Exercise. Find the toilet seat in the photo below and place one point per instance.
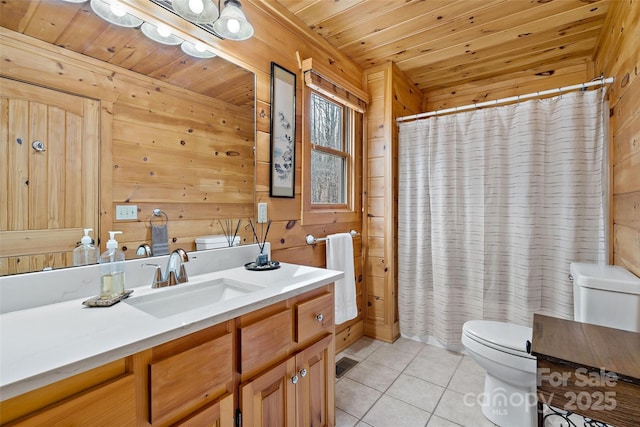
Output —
(504, 337)
(500, 348)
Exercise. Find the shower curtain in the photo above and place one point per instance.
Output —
(493, 206)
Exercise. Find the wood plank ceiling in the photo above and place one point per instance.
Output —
(74, 26)
(442, 44)
(438, 44)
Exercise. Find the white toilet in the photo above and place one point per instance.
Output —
(602, 294)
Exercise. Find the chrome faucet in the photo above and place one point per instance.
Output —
(175, 272)
(144, 250)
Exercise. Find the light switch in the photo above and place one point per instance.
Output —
(124, 212)
(262, 213)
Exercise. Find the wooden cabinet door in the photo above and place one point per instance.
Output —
(315, 390)
(218, 414)
(49, 144)
(265, 341)
(269, 400)
(189, 379)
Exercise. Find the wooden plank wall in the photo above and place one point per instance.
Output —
(279, 38)
(377, 154)
(391, 95)
(142, 116)
(188, 156)
(507, 86)
(276, 27)
(160, 147)
(618, 55)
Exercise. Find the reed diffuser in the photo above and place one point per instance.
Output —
(228, 229)
(262, 259)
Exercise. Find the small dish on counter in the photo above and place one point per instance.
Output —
(271, 265)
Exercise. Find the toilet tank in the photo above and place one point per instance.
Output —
(606, 295)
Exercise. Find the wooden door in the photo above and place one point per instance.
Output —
(49, 142)
(315, 366)
(269, 400)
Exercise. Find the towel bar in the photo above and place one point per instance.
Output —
(313, 240)
(159, 213)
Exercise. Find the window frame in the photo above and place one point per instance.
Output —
(345, 153)
(353, 127)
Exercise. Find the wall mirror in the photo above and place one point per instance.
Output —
(153, 125)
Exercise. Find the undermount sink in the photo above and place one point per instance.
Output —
(183, 298)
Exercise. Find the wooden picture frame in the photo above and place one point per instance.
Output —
(283, 132)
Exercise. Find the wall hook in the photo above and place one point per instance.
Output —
(38, 145)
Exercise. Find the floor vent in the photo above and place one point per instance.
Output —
(343, 365)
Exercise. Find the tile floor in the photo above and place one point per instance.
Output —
(411, 384)
(408, 384)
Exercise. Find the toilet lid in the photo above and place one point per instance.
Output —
(507, 336)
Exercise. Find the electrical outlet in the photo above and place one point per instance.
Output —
(126, 212)
(262, 213)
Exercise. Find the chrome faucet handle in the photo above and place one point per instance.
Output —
(158, 282)
(172, 280)
(183, 278)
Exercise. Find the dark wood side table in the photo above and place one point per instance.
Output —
(587, 369)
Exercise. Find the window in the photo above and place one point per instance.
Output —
(329, 151)
(332, 171)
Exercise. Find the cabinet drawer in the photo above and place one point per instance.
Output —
(189, 379)
(113, 403)
(266, 341)
(314, 316)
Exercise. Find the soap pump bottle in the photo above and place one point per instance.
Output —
(112, 269)
(85, 253)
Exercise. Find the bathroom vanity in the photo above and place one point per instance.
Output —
(263, 351)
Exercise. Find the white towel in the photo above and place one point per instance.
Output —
(340, 257)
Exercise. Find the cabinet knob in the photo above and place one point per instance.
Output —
(303, 372)
(319, 317)
(294, 379)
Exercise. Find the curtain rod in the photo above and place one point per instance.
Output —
(599, 81)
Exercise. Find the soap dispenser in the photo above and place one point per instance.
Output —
(112, 269)
(85, 253)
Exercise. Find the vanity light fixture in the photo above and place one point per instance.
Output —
(198, 50)
(160, 33)
(113, 12)
(196, 11)
(232, 23)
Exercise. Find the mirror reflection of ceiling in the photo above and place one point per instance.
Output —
(74, 26)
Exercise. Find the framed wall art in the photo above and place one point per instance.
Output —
(283, 132)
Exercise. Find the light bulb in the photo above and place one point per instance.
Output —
(196, 6)
(117, 9)
(163, 30)
(233, 25)
(200, 47)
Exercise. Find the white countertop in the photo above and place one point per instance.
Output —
(45, 344)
